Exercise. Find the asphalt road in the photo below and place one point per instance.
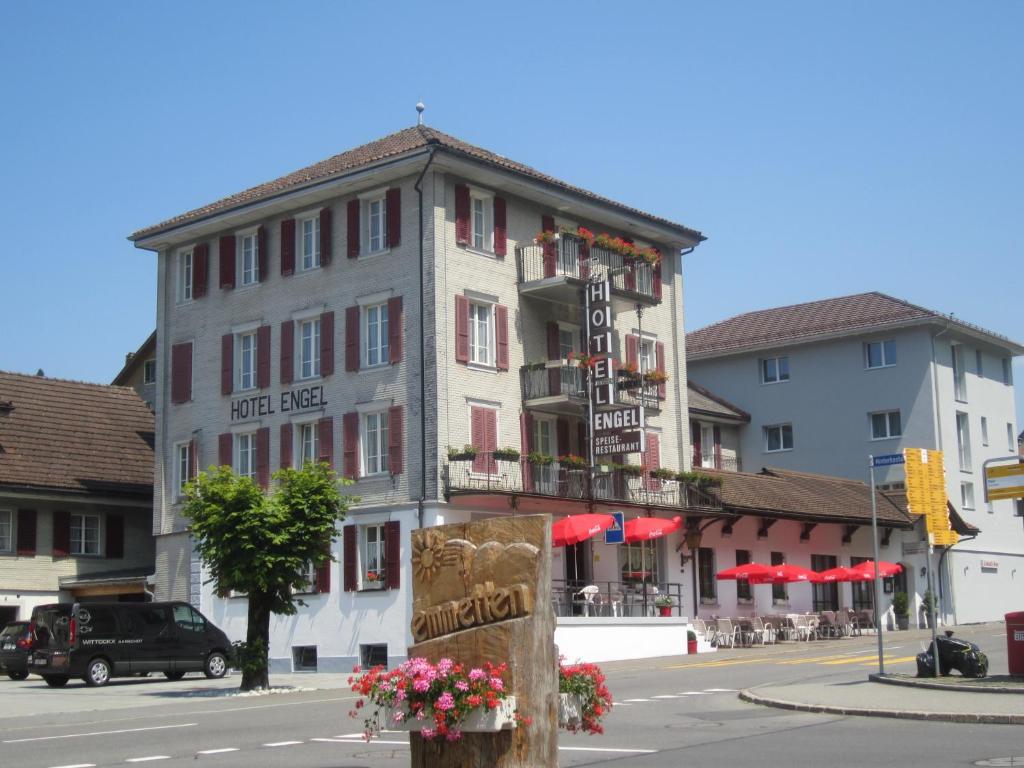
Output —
(669, 712)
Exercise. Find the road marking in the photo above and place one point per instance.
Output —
(721, 690)
(898, 660)
(632, 701)
(620, 704)
(217, 751)
(99, 733)
(667, 696)
(851, 660)
(608, 749)
(691, 693)
(282, 743)
(353, 735)
(364, 742)
(147, 759)
(77, 765)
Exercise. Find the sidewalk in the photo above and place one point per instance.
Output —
(958, 701)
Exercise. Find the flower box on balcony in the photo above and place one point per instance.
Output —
(480, 720)
(506, 454)
(468, 453)
(570, 710)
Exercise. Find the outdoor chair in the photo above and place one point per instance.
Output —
(843, 626)
(802, 626)
(591, 595)
(726, 633)
(827, 625)
(701, 629)
(758, 631)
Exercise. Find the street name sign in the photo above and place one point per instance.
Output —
(1005, 481)
(888, 460)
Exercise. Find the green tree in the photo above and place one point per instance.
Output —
(262, 544)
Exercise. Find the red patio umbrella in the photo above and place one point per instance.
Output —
(884, 568)
(786, 574)
(742, 572)
(577, 528)
(842, 573)
(647, 528)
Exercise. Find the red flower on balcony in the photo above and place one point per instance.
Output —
(571, 461)
(541, 238)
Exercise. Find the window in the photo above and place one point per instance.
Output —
(247, 360)
(638, 562)
(645, 353)
(481, 333)
(375, 443)
(885, 425)
(309, 443)
(183, 466)
(376, 223)
(963, 441)
(542, 432)
(184, 276)
(979, 365)
(707, 446)
(779, 591)
(1011, 444)
(984, 431)
(372, 555)
(566, 343)
(959, 375)
(376, 343)
(967, 495)
(707, 584)
(308, 576)
(188, 620)
(245, 455)
(825, 597)
(309, 247)
(85, 535)
(545, 477)
(250, 259)
(778, 437)
(149, 372)
(1007, 371)
(6, 530)
(774, 370)
(309, 348)
(481, 221)
(743, 585)
(863, 591)
(880, 354)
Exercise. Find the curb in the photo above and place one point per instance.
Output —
(977, 718)
(926, 683)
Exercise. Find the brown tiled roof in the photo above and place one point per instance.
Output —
(800, 322)
(806, 497)
(407, 140)
(71, 436)
(961, 526)
(703, 401)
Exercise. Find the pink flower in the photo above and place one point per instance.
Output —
(399, 715)
(461, 685)
(497, 684)
(444, 666)
(428, 733)
(445, 702)
(454, 734)
(476, 674)
(421, 685)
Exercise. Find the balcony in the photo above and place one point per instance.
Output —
(648, 395)
(555, 385)
(557, 271)
(606, 487)
(727, 463)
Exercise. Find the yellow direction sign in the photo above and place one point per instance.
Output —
(926, 494)
(1005, 482)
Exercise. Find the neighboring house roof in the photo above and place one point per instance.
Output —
(806, 497)
(961, 526)
(841, 316)
(74, 437)
(404, 141)
(703, 401)
(135, 359)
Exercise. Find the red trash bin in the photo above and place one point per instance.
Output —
(1015, 642)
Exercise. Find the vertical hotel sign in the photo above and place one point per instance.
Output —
(599, 339)
(926, 494)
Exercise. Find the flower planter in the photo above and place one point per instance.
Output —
(664, 610)
(691, 646)
(570, 710)
(481, 720)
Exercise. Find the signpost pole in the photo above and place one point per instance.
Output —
(878, 579)
(931, 611)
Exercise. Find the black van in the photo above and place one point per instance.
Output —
(98, 641)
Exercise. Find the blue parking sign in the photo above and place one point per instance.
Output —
(617, 533)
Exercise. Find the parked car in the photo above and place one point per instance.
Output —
(98, 641)
(16, 642)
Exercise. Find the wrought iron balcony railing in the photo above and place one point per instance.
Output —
(727, 463)
(551, 379)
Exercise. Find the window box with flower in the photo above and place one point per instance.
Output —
(467, 453)
(506, 454)
(572, 462)
(583, 698)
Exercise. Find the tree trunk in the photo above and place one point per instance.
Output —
(255, 674)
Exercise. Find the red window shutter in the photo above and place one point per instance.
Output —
(263, 457)
(562, 435)
(225, 450)
(351, 339)
(491, 438)
(200, 270)
(227, 261)
(393, 201)
(227, 363)
(396, 440)
(395, 325)
(287, 351)
(350, 434)
(657, 281)
(698, 457)
(288, 247)
(115, 537)
(325, 436)
(325, 236)
(547, 224)
(717, 431)
(323, 575)
(526, 445)
(349, 559)
(501, 335)
(461, 329)
(61, 533)
(181, 372)
(584, 259)
(629, 276)
(327, 343)
(353, 229)
(392, 554)
(652, 459)
(554, 353)
(659, 352)
(26, 545)
(500, 227)
(632, 349)
(286, 445)
(263, 357)
(193, 456)
(461, 214)
(478, 436)
(262, 256)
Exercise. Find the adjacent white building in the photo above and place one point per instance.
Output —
(830, 382)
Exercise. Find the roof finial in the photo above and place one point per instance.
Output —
(420, 106)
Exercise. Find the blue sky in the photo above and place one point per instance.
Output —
(824, 148)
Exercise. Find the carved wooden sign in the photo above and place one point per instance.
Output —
(482, 592)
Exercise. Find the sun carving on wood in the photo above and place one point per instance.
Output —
(427, 557)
